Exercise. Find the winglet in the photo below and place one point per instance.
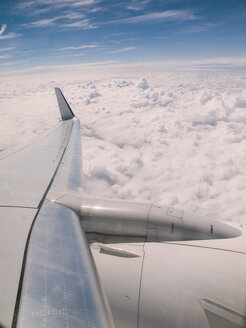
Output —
(65, 110)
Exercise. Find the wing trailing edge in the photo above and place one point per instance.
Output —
(65, 110)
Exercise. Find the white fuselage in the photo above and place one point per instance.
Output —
(197, 284)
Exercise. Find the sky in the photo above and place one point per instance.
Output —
(38, 34)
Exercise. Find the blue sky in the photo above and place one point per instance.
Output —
(62, 32)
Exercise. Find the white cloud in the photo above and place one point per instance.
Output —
(121, 50)
(61, 68)
(4, 56)
(51, 4)
(10, 36)
(44, 22)
(80, 47)
(74, 15)
(68, 55)
(198, 28)
(3, 28)
(176, 15)
(8, 63)
(165, 144)
(7, 49)
(84, 3)
(113, 67)
(25, 4)
(84, 24)
(96, 9)
(137, 5)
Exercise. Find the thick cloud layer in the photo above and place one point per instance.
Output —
(175, 139)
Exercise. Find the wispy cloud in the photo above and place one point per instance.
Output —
(51, 4)
(64, 21)
(74, 15)
(84, 24)
(121, 50)
(80, 47)
(96, 9)
(43, 22)
(3, 28)
(137, 5)
(85, 3)
(168, 15)
(69, 55)
(162, 66)
(4, 56)
(8, 63)
(26, 4)
(198, 28)
(59, 68)
(7, 49)
(10, 36)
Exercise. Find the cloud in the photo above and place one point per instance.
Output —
(84, 24)
(96, 9)
(43, 22)
(81, 24)
(4, 56)
(198, 28)
(26, 4)
(69, 55)
(3, 28)
(74, 15)
(94, 70)
(59, 68)
(84, 3)
(121, 50)
(51, 4)
(7, 49)
(175, 15)
(8, 63)
(80, 47)
(10, 36)
(137, 5)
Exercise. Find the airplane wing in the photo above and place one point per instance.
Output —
(47, 277)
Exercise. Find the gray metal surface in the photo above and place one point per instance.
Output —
(219, 315)
(65, 110)
(171, 224)
(69, 176)
(60, 286)
(132, 219)
(26, 174)
(14, 228)
(176, 277)
(121, 278)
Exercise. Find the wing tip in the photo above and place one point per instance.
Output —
(65, 110)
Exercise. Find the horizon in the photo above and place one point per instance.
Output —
(52, 36)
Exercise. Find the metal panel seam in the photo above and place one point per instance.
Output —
(141, 275)
(207, 247)
(140, 285)
(13, 206)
